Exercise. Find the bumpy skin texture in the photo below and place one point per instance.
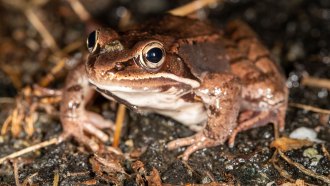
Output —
(76, 121)
(263, 95)
(227, 78)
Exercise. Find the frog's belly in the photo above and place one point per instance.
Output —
(192, 114)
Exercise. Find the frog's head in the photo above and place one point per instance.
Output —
(135, 61)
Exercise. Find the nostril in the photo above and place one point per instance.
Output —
(119, 66)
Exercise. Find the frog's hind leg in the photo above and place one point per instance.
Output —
(259, 119)
(222, 100)
(264, 91)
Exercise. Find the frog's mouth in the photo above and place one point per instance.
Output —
(112, 96)
(145, 97)
(143, 82)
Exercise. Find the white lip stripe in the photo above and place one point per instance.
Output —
(114, 88)
(192, 83)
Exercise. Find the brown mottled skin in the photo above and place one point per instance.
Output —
(238, 83)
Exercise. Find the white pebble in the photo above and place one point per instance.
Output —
(305, 133)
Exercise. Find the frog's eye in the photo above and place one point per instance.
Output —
(92, 41)
(153, 55)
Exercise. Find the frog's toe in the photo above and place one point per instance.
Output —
(79, 135)
(90, 143)
(98, 121)
(199, 145)
(84, 129)
(194, 143)
(182, 142)
(91, 129)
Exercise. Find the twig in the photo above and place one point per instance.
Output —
(125, 19)
(325, 152)
(16, 173)
(192, 7)
(303, 169)
(40, 27)
(119, 124)
(282, 172)
(13, 74)
(29, 149)
(285, 144)
(60, 63)
(310, 108)
(50, 76)
(75, 174)
(17, 117)
(80, 10)
(56, 178)
(70, 48)
(5, 125)
(7, 100)
(28, 8)
(316, 82)
(28, 180)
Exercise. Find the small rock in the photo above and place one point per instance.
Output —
(305, 133)
(312, 154)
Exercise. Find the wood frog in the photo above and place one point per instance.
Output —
(217, 82)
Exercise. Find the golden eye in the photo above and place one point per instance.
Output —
(153, 55)
(92, 41)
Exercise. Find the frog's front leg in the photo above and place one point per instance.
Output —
(76, 121)
(221, 95)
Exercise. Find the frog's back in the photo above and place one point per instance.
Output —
(198, 43)
(262, 80)
(179, 27)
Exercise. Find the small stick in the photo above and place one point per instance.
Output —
(40, 27)
(5, 100)
(316, 82)
(303, 169)
(119, 124)
(16, 173)
(13, 74)
(282, 172)
(50, 76)
(5, 125)
(325, 151)
(75, 174)
(80, 10)
(28, 180)
(191, 7)
(56, 178)
(29, 149)
(60, 64)
(310, 108)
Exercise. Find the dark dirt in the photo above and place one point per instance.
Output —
(297, 32)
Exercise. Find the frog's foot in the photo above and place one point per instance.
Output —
(261, 119)
(84, 128)
(194, 143)
(243, 116)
